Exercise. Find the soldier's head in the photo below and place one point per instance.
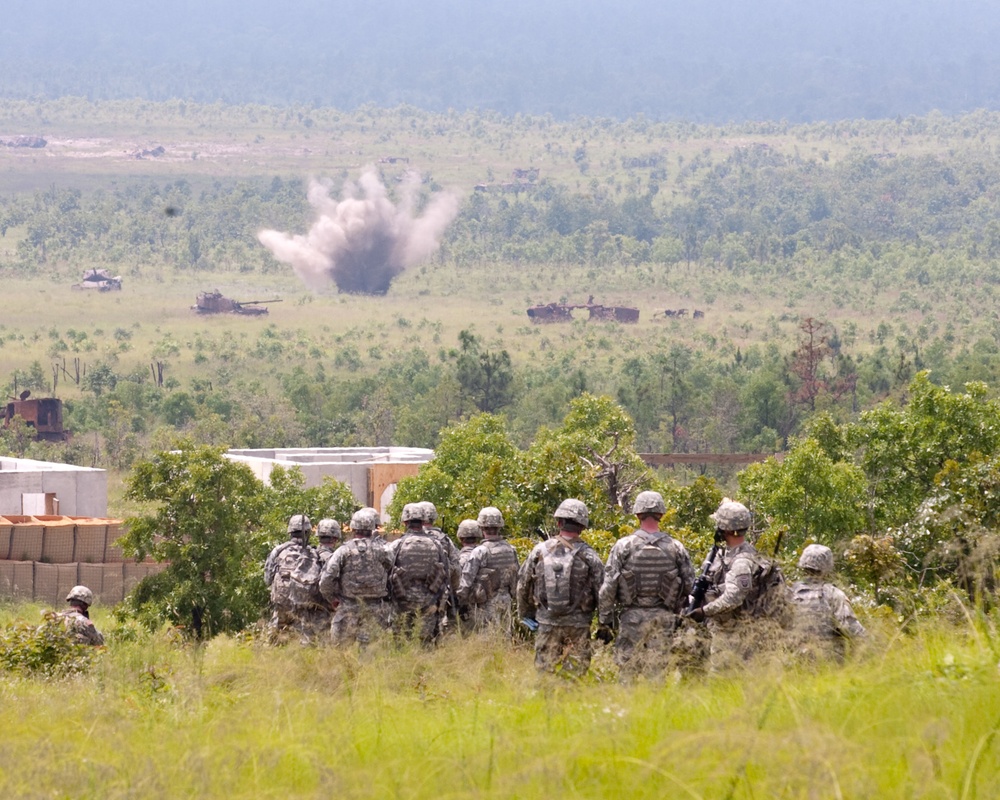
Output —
(299, 527)
(364, 522)
(572, 517)
(732, 521)
(816, 559)
(468, 533)
(80, 597)
(413, 517)
(430, 513)
(490, 522)
(328, 531)
(649, 505)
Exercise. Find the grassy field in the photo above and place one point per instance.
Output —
(915, 716)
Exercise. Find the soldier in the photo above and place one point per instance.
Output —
(418, 578)
(356, 581)
(646, 585)
(824, 619)
(469, 536)
(734, 578)
(76, 618)
(489, 577)
(292, 571)
(329, 534)
(454, 566)
(557, 591)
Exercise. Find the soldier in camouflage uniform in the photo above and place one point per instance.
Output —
(329, 534)
(489, 577)
(356, 581)
(469, 536)
(557, 591)
(419, 570)
(736, 635)
(824, 620)
(310, 618)
(76, 618)
(646, 585)
(454, 565)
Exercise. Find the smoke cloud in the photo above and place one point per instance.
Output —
(363, 241)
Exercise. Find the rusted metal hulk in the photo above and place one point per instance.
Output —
(44, 414)
(561, 312)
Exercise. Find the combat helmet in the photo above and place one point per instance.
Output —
(469, 529)
(649, 503)
(412, 512)
(81, 594)
(574, 511)
(490, 517)
(817, 558)
(363, 520)
(731, 516)
(430, 511)
(299, 523)
(328, 528)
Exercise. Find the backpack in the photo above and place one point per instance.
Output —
(419, 568)
(554, 590)
(652, 575)
(296, 581)
(768, 596)
(362, 575)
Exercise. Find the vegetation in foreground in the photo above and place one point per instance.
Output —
(912, 716)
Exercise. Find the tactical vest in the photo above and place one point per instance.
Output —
(813, 612)
(418, 569)
(363, 575)
(651, 575)
(498, 571)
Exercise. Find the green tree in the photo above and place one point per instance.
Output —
(212, 523)
(206, 526)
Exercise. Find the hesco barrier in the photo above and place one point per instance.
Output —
(43, 557)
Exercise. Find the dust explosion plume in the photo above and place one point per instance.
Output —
(362, 241)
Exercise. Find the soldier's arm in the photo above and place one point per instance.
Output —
(847, 623)
(469, 574)
(609, 587)
(525, 587)
(329, 582)
(739, 579)
(596, 574)
(685, 570)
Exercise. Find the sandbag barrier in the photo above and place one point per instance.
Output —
(43, 557)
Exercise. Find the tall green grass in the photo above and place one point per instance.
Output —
(914, 715)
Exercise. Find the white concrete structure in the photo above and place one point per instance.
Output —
(80, 491)
(370, 472)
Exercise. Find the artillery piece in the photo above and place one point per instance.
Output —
(215, 303)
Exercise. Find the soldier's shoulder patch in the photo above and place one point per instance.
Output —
(743, 581)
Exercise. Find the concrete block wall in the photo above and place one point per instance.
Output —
(81, 491)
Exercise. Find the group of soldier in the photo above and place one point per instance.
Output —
(420, 587)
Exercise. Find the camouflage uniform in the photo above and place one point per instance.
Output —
(79, 624)
(356, 579)
(488, 586)
(419, 571)
(310, 620)
(562, 643)
(648, 593)
(464, 554)
(824, 619)
(735, 634)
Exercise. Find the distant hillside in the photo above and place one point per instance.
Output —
(714, 62)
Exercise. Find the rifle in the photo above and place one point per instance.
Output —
(701, 583)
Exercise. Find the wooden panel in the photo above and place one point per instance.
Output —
(382, 476)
